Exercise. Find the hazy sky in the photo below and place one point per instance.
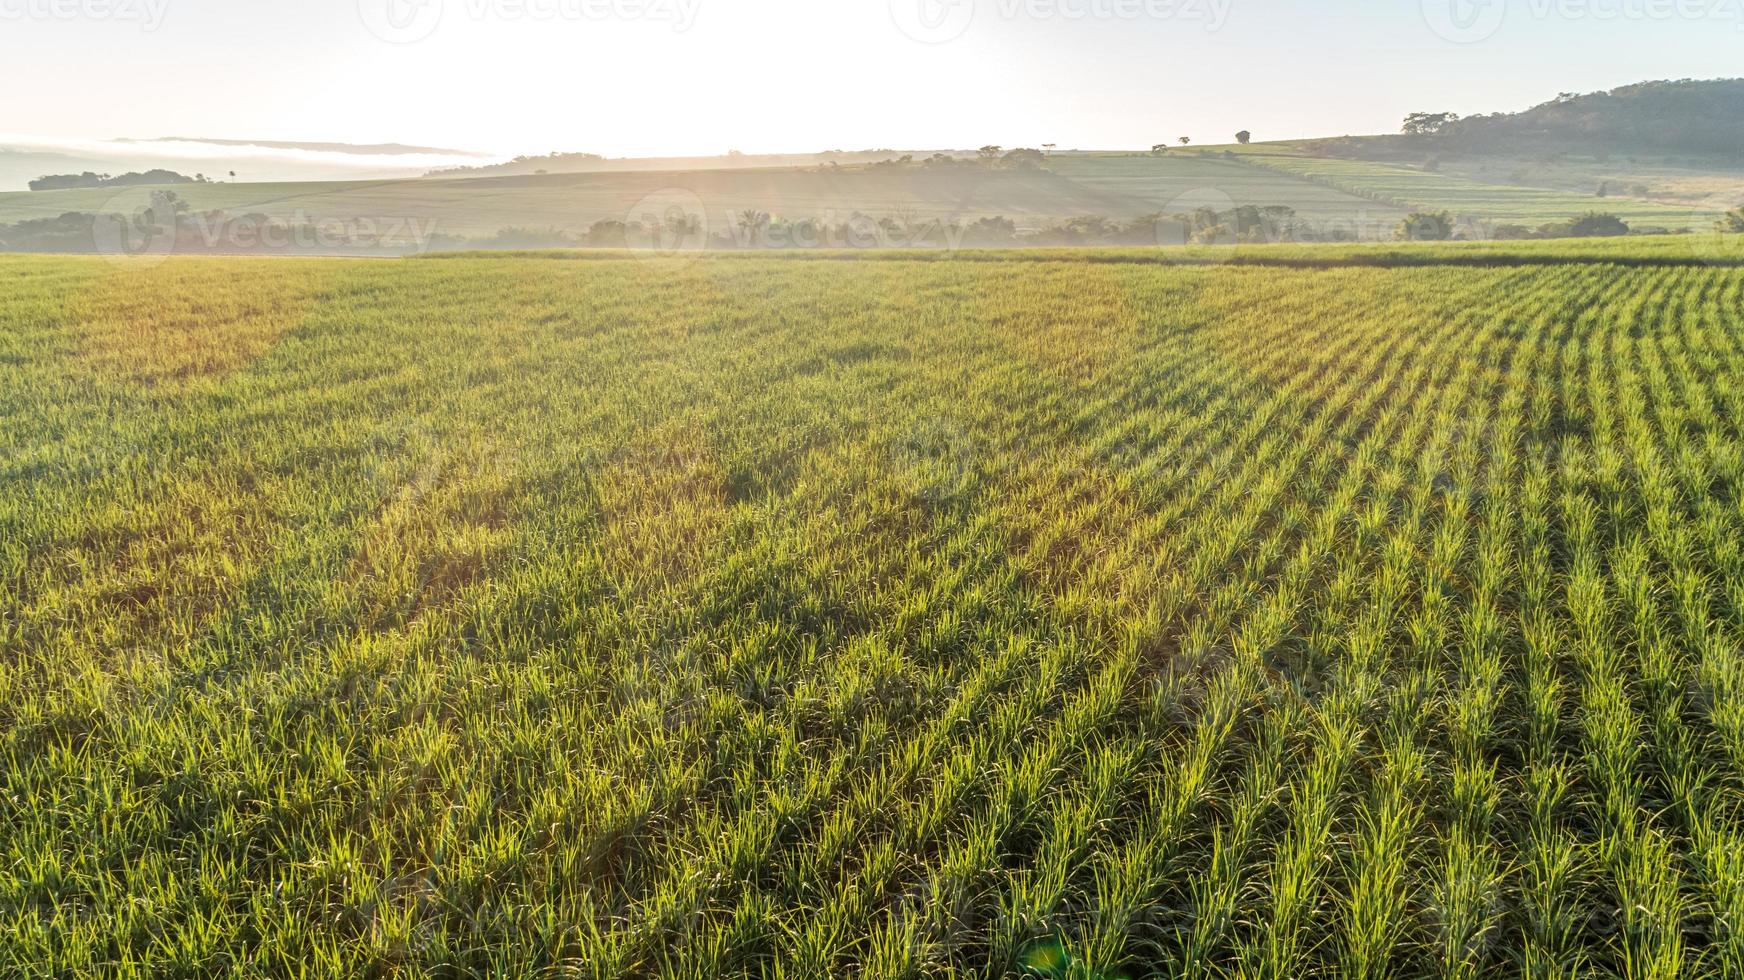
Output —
(641, 77)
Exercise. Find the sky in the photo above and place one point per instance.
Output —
(680, 77)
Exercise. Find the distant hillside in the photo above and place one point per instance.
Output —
(579, 163)
(26, 158)
(574, 202)
(1665, 118)
(1704, 117)
(554, 162)
(363, 149)
(159, 177)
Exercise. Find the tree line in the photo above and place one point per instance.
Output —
(88, 179)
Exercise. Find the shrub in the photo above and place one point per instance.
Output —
(1425, 226)
(1594, 224)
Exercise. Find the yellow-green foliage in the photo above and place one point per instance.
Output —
(612, 618)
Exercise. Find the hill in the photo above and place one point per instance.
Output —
(1326, 198)
(1687, 118)
(23, 159)
(580, 163)
(1691, 117)
(575, 201)
(1644, 153)
(364, 149)
(1119, 187)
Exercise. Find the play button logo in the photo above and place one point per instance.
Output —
(932, 21)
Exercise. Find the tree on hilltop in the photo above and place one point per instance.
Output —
(1428, 123)
(1425, 226)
